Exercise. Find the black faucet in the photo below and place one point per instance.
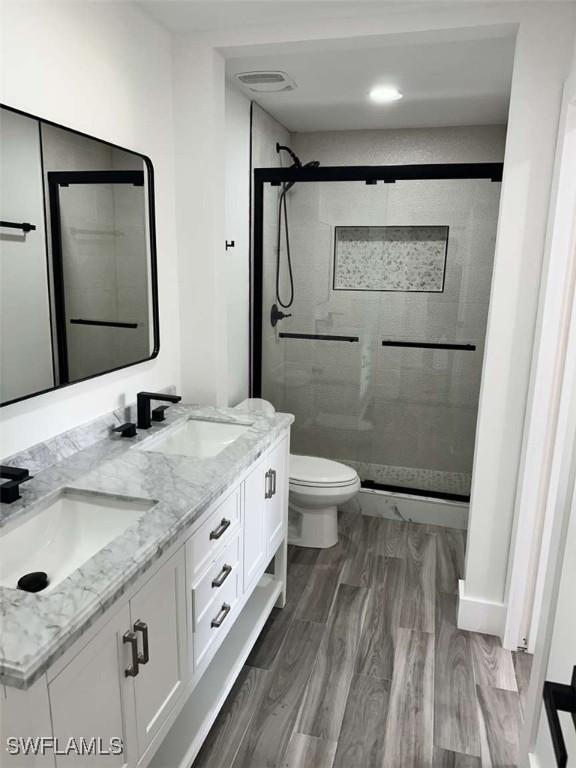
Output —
(10, 491)
(143, 406)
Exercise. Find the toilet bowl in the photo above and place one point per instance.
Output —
(317, 487)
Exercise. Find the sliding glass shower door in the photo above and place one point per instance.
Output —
(380, 356)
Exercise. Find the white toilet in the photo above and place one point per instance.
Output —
(317, 488)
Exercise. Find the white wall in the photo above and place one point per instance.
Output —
(104, 69)
(532, 524)
(554, 653)
(238, 229)
(542, 58)
(200, 139)
(554, 421)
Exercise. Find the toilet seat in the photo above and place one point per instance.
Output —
(317, 488)
(313, 472)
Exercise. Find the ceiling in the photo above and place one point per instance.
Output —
(203, 15)
(447, 78)
(444, 84)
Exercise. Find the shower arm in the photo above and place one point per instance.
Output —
(283, 148)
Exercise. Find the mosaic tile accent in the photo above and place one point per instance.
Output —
(414, 477)
(390, 258)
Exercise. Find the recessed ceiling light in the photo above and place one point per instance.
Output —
(385, 93)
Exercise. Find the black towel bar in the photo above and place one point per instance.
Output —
(317, 337)
(427, 345)
(24, 226)
(105, 323)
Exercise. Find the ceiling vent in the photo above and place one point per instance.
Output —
(266, 82)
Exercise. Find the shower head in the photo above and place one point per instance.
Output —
(296, 163)
(312, 164)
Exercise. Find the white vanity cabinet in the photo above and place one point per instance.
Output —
(125, 681)
(275, 513)
(91, 697)
(265, 514)
(154, 671)
(214, 556)
(255, 495)
(158, 612)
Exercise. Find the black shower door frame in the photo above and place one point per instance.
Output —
(370, 174)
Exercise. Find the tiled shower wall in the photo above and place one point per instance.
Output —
(402, 416)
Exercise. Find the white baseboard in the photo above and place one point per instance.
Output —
(415, 509)
(477, 615)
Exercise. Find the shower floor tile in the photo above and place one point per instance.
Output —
(412, 477)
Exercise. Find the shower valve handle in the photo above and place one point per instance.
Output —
(277, 314)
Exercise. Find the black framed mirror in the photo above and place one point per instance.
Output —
(78, 271)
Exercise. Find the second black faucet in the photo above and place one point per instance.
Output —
(143, 401)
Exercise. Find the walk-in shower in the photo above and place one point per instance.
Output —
(389, 277)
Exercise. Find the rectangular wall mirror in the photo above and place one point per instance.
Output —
(78, 289)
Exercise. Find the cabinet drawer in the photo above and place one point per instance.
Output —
(216, 532)
(216, 621)
(210, 587)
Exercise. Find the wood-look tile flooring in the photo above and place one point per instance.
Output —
(366, 668)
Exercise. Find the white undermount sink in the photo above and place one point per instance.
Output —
(197, 438)
(64, 533)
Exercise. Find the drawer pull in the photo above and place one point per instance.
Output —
(222, 576)
(273, 482)
(224, 611)
(268, 493)
(141, 626)
(224, 525)
(130, 637)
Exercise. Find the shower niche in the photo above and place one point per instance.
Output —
(387, 258)
(379, 354)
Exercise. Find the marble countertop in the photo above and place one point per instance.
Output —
(35, 629)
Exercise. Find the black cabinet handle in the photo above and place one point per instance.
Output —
(130, 637)
(224, 611)
(268, 484)
(224, 525)
(560, 698)
(222, 576)
(141, 626)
